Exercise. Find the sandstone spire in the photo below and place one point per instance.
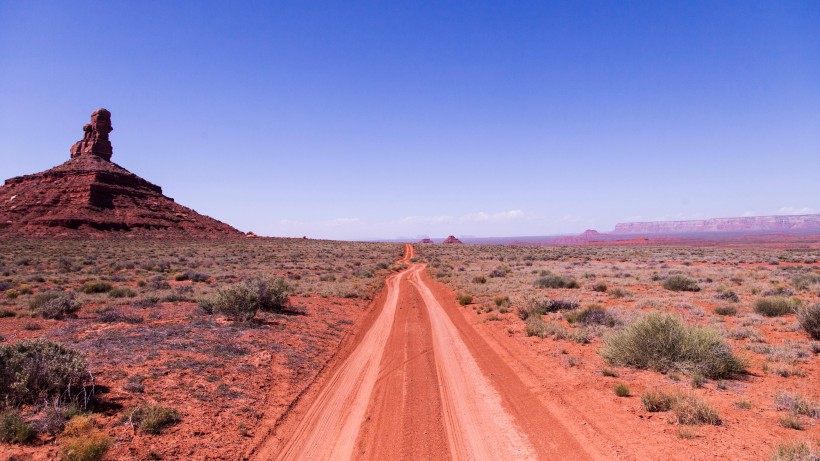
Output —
(95, 138)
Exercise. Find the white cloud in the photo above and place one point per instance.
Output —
(793, 210)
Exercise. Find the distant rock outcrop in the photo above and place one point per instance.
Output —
(589, 235)
(745, 224)
(452, 239)
(90, 194)
(426, 240)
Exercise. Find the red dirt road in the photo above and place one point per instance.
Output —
(413, 387)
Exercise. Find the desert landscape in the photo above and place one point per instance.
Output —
(484, 231)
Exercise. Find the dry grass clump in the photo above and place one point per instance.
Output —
(13, 429)
(663, 342)
(82, 440)
(795, 451)
(796, 404)
(688, 408)
(152, 419)
(774, 306)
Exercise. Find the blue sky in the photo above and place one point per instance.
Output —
(356, 120)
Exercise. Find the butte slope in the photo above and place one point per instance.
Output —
(90, 195)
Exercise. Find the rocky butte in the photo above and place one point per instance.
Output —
(89, 194)
(452, 239)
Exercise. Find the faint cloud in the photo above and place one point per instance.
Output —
(747, 214)
(500, 216)
(793, 210)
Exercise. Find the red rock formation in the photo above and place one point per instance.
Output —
(90, 194)
(452, 239)
(426, 240)
(745, 224)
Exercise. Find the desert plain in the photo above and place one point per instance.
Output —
(412, 351)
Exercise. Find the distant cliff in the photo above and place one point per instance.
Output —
(746, 224)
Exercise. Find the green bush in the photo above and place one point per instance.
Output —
(242, 302)
(809, 318)
(13, 429)
(662, 342)
(38, 369)
(680, 283)
(774, 306)
(555, 281)
(96, 287)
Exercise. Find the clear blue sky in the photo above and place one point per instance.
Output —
(355, 120)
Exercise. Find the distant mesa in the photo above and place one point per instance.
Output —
(452, 239)
(89, 194)
(753, 224)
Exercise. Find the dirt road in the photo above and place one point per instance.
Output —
(420, 383)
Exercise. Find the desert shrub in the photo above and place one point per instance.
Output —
(796, 404)
(13, 429)
(121, 292)
(535, 326)
(5, 313)
(181, 277)
(725, 310)
(809, 319)
(479, 279)
(464, 299)
(41, 299)
(502, 301)
(773, 306)
(82, 440)
(806, 281)
(728, 295)
(663, 342)
(135, 384)
(241, 302)
(33, 370)
(619, 293)
(621, 390)
(555, 281)
(599, 287)
(680, 283)
(152, 419)
(593, 314)
(116, 316)
(96, 287)
(543, 305)
(59, 307)
(795, 451)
